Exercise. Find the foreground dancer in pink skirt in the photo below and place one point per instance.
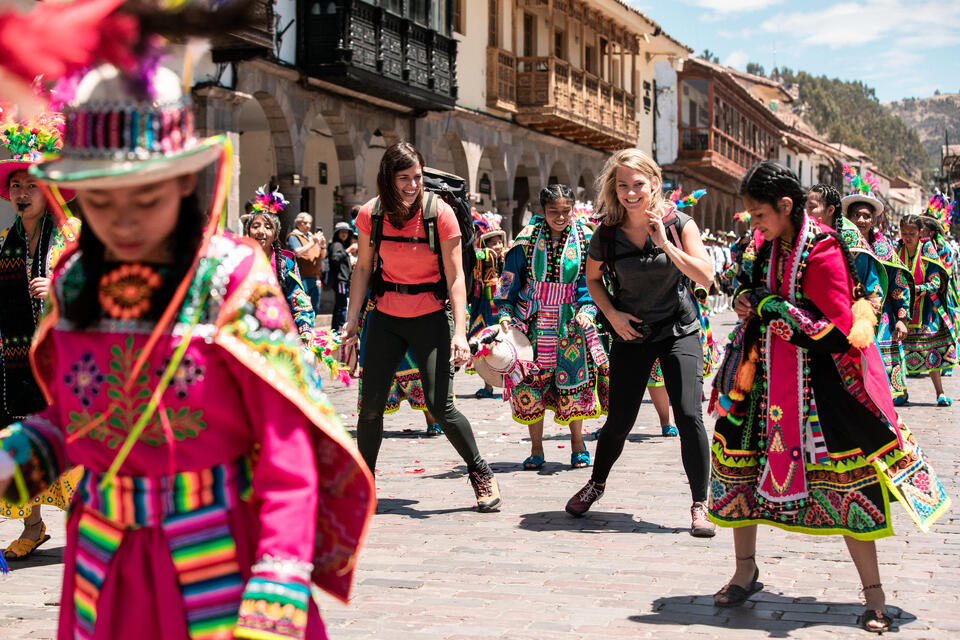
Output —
(219, 484)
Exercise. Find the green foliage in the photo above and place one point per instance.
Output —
(710, 56)
(849, 112)
(756, 69)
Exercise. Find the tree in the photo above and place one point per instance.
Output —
(937, 92)
(756, 69)
(710, 56)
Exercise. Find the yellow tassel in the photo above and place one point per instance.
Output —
(747, 370)
(864, 320)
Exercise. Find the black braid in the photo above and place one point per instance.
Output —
(768, 181)
(831, 197)
(280, 260)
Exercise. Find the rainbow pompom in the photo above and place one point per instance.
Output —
(862, 184)
(690, 200)
(272, 202)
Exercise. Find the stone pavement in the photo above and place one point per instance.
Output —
(435, 569)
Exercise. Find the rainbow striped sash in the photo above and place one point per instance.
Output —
(192, 508)
(549, 297)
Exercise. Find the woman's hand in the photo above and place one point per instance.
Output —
(584, 321)
(657, 231)
(40, 288)
(899, 331)
(621, 324)
(348, 334)
(459, 350)
(744, 307)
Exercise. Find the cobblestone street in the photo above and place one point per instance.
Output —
(433, 568)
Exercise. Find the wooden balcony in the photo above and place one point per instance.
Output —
(556, 98)
(255, 40)
(363, 47)
(716, 153)
(501, 80)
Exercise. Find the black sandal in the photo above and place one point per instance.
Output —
(874, 616)
(737, 595)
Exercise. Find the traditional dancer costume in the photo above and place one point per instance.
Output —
(27, 142)
(486, 275)
(542, 289)
(931, 342)
(879, 266)
(813, 443)
(272, 205)
(203, 434)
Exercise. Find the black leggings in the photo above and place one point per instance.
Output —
(681, 360)
(386, 342)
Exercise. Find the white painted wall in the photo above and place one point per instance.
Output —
(472, 57)
(668, 133)
(257, 164)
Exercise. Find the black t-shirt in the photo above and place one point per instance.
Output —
(652, 288)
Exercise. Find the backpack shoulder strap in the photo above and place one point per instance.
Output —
(376, 224)
(430, 221)
(607, 235)
(671, 225)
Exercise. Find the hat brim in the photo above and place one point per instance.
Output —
(493, 234)
(100, 173)
(9, 167)
(524, 352)
(847, 201)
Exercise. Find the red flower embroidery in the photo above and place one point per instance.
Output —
(270, 312)
(781, 329)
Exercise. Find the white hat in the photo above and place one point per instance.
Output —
(502, 354)
(861, 197)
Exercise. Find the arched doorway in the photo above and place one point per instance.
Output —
(258, 164)
(559, 174)
(321, 172)
(526, 191)
(451, 156)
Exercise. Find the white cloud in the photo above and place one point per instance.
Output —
(737, 60)
(906, 24)
(734, 6)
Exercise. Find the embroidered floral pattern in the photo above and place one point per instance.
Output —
(85, 379)
(188, 373)
(270, 312)
(125, 407)
(125, 292)
(781, 329)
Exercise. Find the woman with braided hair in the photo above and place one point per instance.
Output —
(263, 225)
(810, 440)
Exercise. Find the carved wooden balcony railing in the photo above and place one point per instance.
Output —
(255, 40)
(555, 97)
(366, 48)
(501, 80)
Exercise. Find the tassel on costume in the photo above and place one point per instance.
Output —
(747, 370)
(864, 320)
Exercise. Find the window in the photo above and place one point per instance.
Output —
(493, 25)
(800, 171)
(529, 35)
(588, 58)
(459, 24)
(559, 45)
(789, 161)
(604, 60)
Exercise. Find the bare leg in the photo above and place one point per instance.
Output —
(661, 402)
(864, 555)
(429, 418)
(488, 388)
(744, 550)
(536, 438)
(937, 382)
(576, 440)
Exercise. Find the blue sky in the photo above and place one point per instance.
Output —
(902, 48)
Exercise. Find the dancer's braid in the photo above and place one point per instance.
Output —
(769, 181)
(280, 261)
(831, 197)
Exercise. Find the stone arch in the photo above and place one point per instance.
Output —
(527, 183)
(258, 158)
(283, 148)
(559, 173)
(322, 171)
(586, 183)
(451, 156)
(493, 165)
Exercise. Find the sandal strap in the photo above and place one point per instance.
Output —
(753, 557)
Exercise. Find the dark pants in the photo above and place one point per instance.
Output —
(339, 307)
(312, 288)
(681, 360)
(387, 339)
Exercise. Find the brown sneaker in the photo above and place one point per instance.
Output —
(700, 526)
(581, 502)
(485, 487)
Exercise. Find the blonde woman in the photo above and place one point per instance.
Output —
(650, 253)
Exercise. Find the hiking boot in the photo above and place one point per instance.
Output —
(700, 525)
(485, 487)
(581, 502)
